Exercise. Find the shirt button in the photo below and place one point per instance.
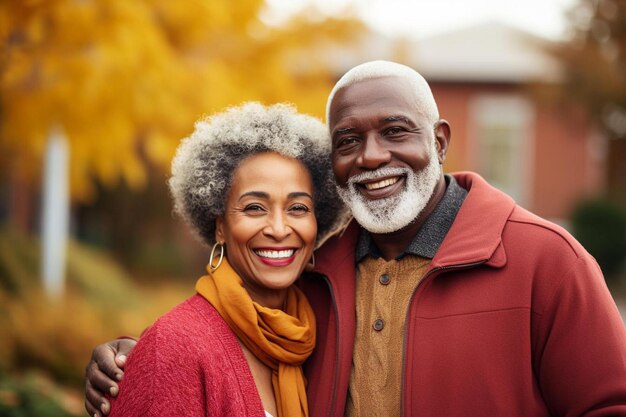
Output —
(378, 324)
(384, 279)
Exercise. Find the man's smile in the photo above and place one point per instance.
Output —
(381, 184)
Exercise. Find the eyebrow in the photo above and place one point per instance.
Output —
(297, 194)
(384, 119)
(259, 194)
(262, 194)
(397, 119)
(344, 130)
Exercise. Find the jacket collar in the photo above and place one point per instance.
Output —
(338, 250)
(476, 234)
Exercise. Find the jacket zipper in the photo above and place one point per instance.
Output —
(406, 319)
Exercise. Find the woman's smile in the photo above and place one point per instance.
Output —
(276, 256)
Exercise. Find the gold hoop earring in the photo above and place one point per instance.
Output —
(219, 262)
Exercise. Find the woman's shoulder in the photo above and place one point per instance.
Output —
(185, 357)
(193, 321)
(189, 337)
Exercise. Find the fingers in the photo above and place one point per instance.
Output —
(120, 361)
(123, 347)
(104, 358)
(91, 410)
(95, 404)
(100, 381)
(102, 372)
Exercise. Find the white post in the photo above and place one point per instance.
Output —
(55, 215)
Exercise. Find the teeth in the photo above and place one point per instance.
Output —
(381, 184)
(275, 254)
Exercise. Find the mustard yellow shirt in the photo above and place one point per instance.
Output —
(383, 291)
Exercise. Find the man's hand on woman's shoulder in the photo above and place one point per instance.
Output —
(103, 372)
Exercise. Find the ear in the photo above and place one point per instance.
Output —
(442, 138)
(219, 230)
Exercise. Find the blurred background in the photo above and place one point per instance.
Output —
(95, 96)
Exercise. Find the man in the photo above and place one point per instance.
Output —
(443, 298)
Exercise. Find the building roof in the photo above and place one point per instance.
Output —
(487, 52)
(490, 51)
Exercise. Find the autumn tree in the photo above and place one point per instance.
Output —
(125, 80)
(594, 63)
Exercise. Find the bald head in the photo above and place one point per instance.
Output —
(381, 69)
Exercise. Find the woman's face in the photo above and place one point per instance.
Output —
(269, 227)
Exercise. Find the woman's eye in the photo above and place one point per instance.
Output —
(254, 208)
(299, 208)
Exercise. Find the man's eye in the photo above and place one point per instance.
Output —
(346, 142)
(394, 130)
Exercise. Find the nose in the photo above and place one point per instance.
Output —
(277, 226)
(373, 154)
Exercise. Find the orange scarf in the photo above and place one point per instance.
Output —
(282, 340)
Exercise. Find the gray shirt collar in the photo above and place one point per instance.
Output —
(429, 238)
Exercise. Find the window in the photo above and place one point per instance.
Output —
(502, 142)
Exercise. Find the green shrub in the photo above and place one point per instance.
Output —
(34, 395)
(600, 226)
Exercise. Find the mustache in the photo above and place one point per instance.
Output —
(378, 173)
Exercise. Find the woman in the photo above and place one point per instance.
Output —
(255, 183)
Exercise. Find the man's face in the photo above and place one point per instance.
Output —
(385, 155)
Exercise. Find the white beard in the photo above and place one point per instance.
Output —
(393, 213)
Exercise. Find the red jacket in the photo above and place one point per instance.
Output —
(189, 363)
(513, 318)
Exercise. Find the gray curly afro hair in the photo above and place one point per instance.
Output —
(203, 166)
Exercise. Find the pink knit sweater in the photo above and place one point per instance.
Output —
(189, 363)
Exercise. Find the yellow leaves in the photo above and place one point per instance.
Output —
(159, 148)
(191, 23)
(127, 79)
(82, 65)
